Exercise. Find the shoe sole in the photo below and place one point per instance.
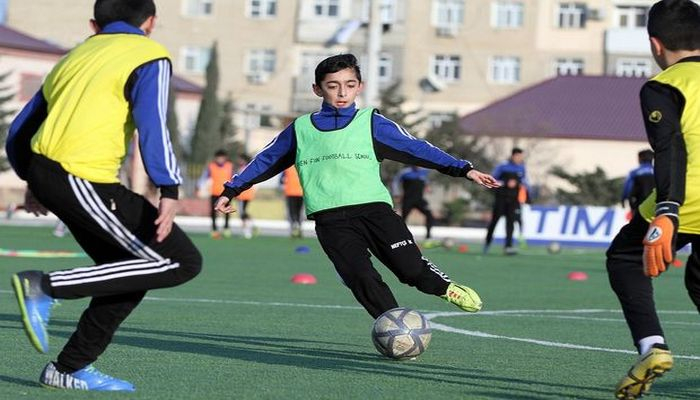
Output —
(623, 394)
(28, 329)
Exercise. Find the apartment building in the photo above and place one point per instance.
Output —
(450, 55)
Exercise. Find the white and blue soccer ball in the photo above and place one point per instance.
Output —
(401, 333)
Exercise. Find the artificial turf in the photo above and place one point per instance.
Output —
(241, 330)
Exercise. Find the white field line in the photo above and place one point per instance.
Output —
(621, 320)
(563, 345)
(441, 327)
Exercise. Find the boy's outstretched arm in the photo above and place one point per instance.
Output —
(274, 158)
(393, 142)
(483, 179)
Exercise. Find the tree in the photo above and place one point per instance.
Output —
(449, 137)
(207, 136)
(5, 113)
(173, 126)
(227, 129)
(591, 188)
(391, 106)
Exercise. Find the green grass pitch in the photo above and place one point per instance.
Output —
(241, 330)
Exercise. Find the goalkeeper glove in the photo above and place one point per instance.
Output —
(660, 239)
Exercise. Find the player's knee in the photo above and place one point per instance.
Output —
(360, 278)
(190, 265)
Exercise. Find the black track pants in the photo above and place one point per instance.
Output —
(116, 229)
(350, 235)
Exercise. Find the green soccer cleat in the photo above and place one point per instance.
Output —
(639, 378)
(34, 306)
(463, 297)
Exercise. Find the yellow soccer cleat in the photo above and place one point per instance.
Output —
(463, 297)
(639, 378)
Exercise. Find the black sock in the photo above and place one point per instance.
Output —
(62, 368)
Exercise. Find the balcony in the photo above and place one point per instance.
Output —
(628, 41)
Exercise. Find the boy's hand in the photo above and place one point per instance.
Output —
(483, 179)
(659, 245)
(167, 208)
(32, 205)
(224, 205)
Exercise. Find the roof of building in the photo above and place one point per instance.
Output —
(580, 107)
(183, 85)
(10, 38)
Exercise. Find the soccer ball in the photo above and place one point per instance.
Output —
(401, 333)
(554, 248)
(448, 243)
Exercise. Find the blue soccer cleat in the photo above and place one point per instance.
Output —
(88, 378)
(35, 307)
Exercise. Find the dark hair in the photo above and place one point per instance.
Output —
(221, 153)
(516, 150)
(676, 23)
(645, 156)
(133, 12)
(337, 63)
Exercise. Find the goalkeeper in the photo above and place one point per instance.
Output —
(670, 217)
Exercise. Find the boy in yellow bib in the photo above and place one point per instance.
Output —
(68, 144)
(670, 217)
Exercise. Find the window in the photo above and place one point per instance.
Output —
(385, 67)
(256, 116)
(506, 14)
(569, 66)
(633, 67)
(198, 8)
(436, 119)
(448, 13)
(631, 16)
(326, 8)
(262, 8)
(572, 15)
(504, 70)
(387, 9)
(446, 67)
(194, 59)
(261, 63)
(305, 77)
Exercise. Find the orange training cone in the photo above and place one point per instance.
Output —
(304, 279)
(577, 276)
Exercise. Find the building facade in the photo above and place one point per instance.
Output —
(450, 55)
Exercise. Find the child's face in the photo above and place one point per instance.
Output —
(339, 89)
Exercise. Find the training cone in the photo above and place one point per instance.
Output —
(577, 276)
(463, 248)
(302, 249)
(677, 263)
(304, 279)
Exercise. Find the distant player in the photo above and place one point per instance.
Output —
(244, 198)
(640, 181)
(670, 217)
(294, 197)
(217, 172)
(507, 199)
(68, 144)
(337, 151)
(412, 182)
